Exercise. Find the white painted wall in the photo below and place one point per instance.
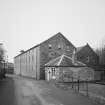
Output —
(17, 65)
(28, 64)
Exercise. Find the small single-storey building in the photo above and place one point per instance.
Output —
(65, 68)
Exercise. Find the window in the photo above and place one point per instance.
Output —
(50, 46)
(88, 59)
(68, 48)
(51, 54)
(59, 46)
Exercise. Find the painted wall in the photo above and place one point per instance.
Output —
(28, 63)
(17, 65)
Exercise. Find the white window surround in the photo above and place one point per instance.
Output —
(59, 46)
(50, 46)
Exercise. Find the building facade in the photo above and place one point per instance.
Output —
(87, 55)
(67, 69)
(31, 62)
(10, 68)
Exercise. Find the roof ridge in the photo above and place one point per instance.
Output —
(68, 57)
(59, 33)
(80, 48)
(60, 60)
(53, 60)
(62, 56)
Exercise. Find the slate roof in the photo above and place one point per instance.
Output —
(64, 61)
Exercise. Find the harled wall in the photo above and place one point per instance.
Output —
(28, 63)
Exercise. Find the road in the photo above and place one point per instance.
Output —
(15, 90)
(7, 92)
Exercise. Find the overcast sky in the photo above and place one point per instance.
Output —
(25, 23)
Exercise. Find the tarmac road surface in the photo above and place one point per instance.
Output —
(16, 90)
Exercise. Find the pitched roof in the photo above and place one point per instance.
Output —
(64, 60)
(87, 45)
(80, 48)
(45, 41)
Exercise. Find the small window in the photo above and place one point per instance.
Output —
(68, 48)
(51, 54)
(50, 46)
(88, 59)
(59, 46)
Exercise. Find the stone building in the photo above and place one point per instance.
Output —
(67, 69)
(31, 62)
(87, 55)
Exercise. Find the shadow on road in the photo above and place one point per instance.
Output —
(7, 92)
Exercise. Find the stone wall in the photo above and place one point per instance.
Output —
(54, 47)
(88, 56)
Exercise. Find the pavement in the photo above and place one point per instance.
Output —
(16, 90)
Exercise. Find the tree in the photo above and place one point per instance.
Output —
(2, 61)
(2, 56)
(101, 52)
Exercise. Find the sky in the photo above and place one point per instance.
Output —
(26, 23)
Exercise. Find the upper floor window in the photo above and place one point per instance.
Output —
(51, 54)
(68, 48)
(59, 46)
(50, 46)
(88, 59)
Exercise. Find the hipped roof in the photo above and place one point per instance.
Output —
(64, 61)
